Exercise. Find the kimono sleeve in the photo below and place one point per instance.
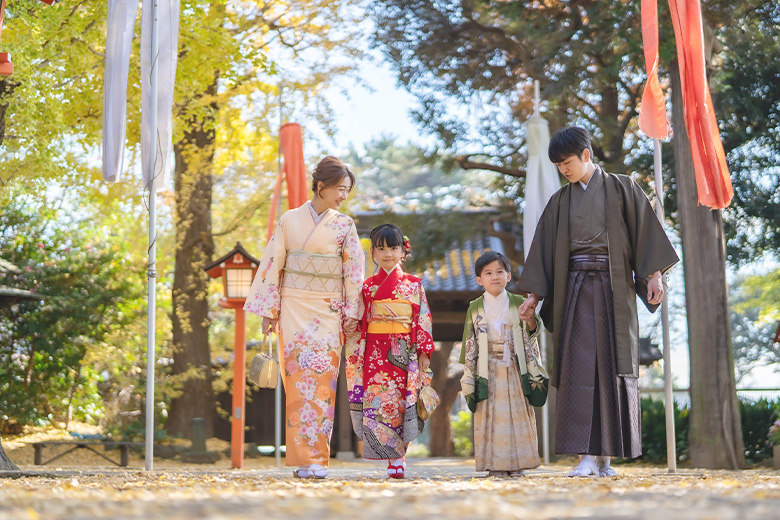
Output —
(422, 325)
(353, 265)
(264, 299)
(652, 250)
(468, 356)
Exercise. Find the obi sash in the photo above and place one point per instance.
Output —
(313, 272)
(390, 317)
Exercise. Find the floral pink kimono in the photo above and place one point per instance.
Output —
(383, 374)
(309, 279)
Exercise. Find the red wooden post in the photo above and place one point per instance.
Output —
(237, 270)
(239, 393)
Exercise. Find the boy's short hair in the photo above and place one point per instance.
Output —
(568, 141)
(488, 257)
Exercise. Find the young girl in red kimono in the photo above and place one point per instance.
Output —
(387, 365)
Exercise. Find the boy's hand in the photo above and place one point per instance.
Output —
(527, 309)
(655, 289)
(424, 361)
(531, 324)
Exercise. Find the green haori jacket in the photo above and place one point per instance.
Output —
(474, 382)
(638, 247)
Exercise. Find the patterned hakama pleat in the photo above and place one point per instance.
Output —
(597, 411)
(504, 424)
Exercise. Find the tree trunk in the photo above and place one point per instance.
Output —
(447, 386)
(715, 429)
(194, 248)
(5, 462)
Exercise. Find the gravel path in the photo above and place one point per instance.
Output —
(435, 488)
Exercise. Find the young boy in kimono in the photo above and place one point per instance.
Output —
(598, 245)
(505, 440)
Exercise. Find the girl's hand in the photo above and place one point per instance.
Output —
(424, 361)
(269, 325)
(350, 326)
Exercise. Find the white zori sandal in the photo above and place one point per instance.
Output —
(586, 468)
(605, 470)
(312, 471)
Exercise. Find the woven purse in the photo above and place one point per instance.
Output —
(264, 371)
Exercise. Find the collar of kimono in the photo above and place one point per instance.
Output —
(383, 275)
(482, 338)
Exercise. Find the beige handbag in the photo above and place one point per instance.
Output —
(264, 371)
(428, 399)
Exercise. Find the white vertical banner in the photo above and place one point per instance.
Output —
(119, 45)
(166, 58)
(541, 177)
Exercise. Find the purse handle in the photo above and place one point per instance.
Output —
(267, 343)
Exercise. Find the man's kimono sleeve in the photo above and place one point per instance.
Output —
(264, 299)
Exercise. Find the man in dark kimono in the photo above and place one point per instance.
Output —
(597, 245)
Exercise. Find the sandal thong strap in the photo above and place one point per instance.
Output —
(398, 471)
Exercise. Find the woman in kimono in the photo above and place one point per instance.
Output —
(386, 367)
(308, 283)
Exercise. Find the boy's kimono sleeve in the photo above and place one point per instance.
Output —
(468, 356)
(422, 325)
(353, 266)
(264, 299)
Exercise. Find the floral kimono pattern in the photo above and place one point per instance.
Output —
(382, 370)
(504, 422)
(309, 279)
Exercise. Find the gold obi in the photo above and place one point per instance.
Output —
(313, 272)
(496, 347)
(390, 317)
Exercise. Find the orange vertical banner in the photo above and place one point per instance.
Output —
(709, 160)
(274, 203)
(291, 148)
(652, 113)
(293, 171)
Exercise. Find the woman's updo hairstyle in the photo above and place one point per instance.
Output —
(390, 235)
(330, 171)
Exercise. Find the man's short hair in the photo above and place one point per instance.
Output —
(488, 257)
(568, 141)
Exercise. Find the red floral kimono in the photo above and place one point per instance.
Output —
(384, 377)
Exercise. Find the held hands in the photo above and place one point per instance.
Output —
(527, 310)
(350, 326)
(424, 361)
(269, 325)
(655, 289)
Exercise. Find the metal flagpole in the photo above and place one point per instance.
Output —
(152, 273)
(278, 391)
(671, 447)
(543, 335)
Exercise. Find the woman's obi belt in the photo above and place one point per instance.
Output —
(390, 317)
(313, 272)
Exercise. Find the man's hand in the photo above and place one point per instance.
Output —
(527, 309)
(269, 325)
(655, 289)
(424, 361)
(350, 326)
